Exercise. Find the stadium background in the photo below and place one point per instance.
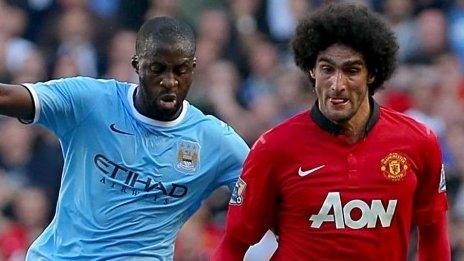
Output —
(245, 76)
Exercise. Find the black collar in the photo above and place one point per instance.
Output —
(335, 129)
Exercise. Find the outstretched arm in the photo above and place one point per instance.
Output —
(433, 241)
(16, 101)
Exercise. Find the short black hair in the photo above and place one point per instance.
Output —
(165, 30)
(351, 25)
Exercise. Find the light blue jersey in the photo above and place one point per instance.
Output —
(129, 182)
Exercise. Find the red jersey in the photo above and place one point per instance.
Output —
(328, 199)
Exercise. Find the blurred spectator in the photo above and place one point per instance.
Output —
(398, 13)
(432, 35)
(72, 28)
(294, 91)
(207, 54)
(75, 36)
(223, 88)
(131, 14)
(423, 92)
(18, 52)
(244, 13)
(30, 216)
(216, 28)
(13, 21)
(30, 67)
(455, 184)
(64, 66)
(215, 41)
(30, 209)
(420, 5)
(4, 74)
(121, 49)
(162, 8)
(456, 30)
(457, 238)
(282, 17)
(105, 8)
(455, 141)
(37, 12)
(30, 156)
(122, 46)
(15, 149)
(264, 62)
(449, 102)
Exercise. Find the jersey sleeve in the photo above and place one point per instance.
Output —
(232, 153)
(430, 198)
(254, 200)
(62, 104)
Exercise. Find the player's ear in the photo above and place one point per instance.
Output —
(370, 79)
(311, 74)
(194, 62)
(135, 63)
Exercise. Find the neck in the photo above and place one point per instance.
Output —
(355, 128)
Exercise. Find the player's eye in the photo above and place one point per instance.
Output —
(182, 69)
(156, 68)
(352, 71)
(326, 69)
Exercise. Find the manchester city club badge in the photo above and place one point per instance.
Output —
(188, 156)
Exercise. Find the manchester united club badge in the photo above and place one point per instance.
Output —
(394, 166)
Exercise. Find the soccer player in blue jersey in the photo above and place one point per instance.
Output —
(139, 159)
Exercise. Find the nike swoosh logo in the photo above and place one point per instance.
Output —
(303, 173)
(113, 128)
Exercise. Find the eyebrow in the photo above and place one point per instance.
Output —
(346, 63)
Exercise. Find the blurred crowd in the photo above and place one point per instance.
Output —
(245, 76)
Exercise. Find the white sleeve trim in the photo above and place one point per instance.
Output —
(36, 101)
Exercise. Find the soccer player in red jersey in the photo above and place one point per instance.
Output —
(348, 179)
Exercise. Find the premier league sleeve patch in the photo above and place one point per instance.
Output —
(237, 194)
(188, 156)
(442, 186)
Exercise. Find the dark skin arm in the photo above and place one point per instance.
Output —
(16, 101)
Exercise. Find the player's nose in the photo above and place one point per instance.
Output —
(169, 81)
(339, 81)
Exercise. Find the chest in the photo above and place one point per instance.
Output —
(141, 157)
(370, 174)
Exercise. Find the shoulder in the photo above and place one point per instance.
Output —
(279, 136)
(219, 127)
(403, 124)
(86, 82)
(216, 129)
(288, 128)
(207, 122)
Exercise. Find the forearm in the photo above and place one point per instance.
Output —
(434, 242)
(16, 101)
(230, 249)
